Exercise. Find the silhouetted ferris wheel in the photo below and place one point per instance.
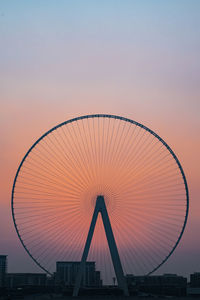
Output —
(136, 173)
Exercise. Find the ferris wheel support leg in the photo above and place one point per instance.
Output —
(113, 247)
(85, 254)
(101, 207)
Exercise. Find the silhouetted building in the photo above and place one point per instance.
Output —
(195, 279)
(193, 291)
(194, 286)
(167, 284)
(66, 273)
(3, 269)
(50, 280)
(25, 279)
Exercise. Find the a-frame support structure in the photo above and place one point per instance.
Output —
(101, 208)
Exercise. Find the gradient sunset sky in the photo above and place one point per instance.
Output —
(137, 59)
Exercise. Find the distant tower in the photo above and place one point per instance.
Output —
(3, 269)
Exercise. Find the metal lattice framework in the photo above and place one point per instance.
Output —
(144, 187)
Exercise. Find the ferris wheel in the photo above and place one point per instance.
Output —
(138, 178)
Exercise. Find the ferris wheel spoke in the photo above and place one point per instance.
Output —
(34, 219)
(149, 184)
(159, 211)
(75, 239)
(159, 219)
(159, 222)
(141, 146)
(166, 228)
(106, 143)
(155, 182)
(35, 244)
(76, 163)
(149, 160)
(110, 148)
(145, 226)
(131, 173)
(144, 154)
(45, 175)
(161, 165)
(146, 251)
(142, 256)
(50, 239)
(63, 161)
(47, 187)
(83, 153)
(59, 164)
(143, 179)
(118, 149)
(138, 258)
(133, 149)
(151, 173)
(69, 172)
(82, 159)
(53, 179)
(89, 149)
(115, 137)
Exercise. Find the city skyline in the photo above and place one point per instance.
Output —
(147, 69)
(63, 281)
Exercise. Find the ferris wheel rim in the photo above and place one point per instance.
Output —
(112, 117)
